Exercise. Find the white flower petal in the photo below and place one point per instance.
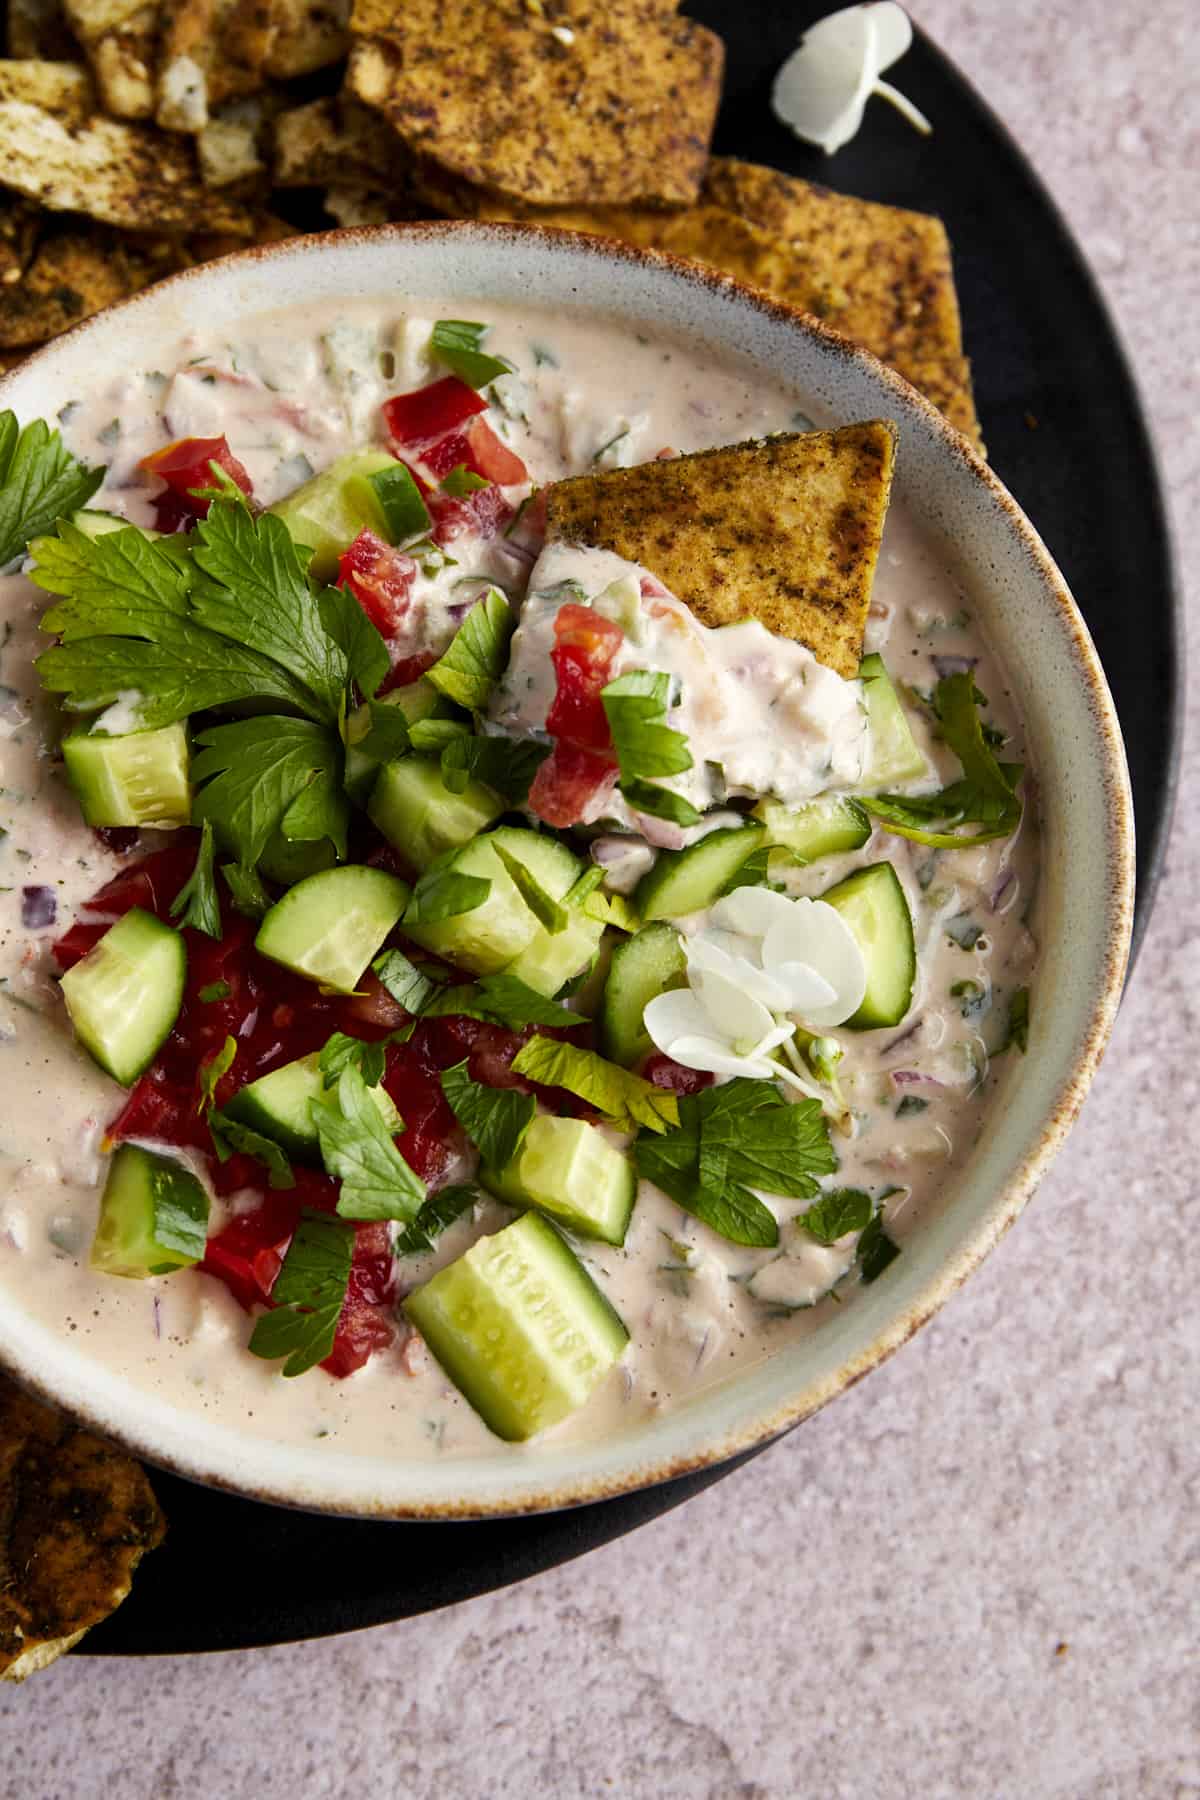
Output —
(706, 956)
(751, 911)
(822, 88)
(806, 989)
(893, 33)
(703, 1053)
(816, 934)
(674, 1015)
(733, 1014)
(778, 1034)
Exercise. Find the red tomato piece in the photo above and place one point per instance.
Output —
(154, 1110)
(248, 1253)
(478, 449)
(407, 670)
(484, 513)
(380, 578)
(74, 945)
(585, 648)
(151, 883)
(566, 782)
(362, 1329)
(185, 465)
(672, 1075)
(427, 413)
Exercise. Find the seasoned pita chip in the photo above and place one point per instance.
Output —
(786, 531)
(571, 103)
(351, 206)
(72, 276)
(123, 63)
(9, 359)
(18, 235)
(91, 20)
(76, 1517)
(309, 35)
(887, 273)
(38, 29)
(212, 50)
(336, 142)
(268, 229)
(54, 148)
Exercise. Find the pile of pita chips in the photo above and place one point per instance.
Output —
(558, 103)
(76, 1517)
(786, 530)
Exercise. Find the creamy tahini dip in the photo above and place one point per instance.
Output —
(290, 393)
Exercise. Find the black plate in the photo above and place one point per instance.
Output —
(1065, 431)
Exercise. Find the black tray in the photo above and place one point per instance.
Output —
(1065, 431)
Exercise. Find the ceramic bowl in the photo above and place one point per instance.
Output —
(1087, 878)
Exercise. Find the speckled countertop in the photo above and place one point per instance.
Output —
(977, 1574)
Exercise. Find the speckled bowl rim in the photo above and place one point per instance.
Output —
(294, 1476)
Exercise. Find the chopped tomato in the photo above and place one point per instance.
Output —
(248, 1253)
(380, 578)
(364, 1326)
(416, 419)
(478, 449)
(407, 670)
(665, 1073)
(74, 945)
(484, 513)
(567, 781)
(186, 465)
(585, 648)
(450, 452)
(151, 883)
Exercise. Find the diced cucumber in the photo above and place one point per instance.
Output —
(327, 513)
(289, 860)
(496, 934)
(685, 881)
(418, 700)
(279, 1106)
(330, 925)
(642, 967)
(551, 958)
(520, 1328)
(123, 997)
(417, 812)
(568, 1168)
(393, 494)
(874, 906)
(893, 755)
(821, 828)
(137, 778)
(153, 1216)
(94, 524)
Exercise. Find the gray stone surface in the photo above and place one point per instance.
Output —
(975, 1575)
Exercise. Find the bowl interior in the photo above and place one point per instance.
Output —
(1086, 897)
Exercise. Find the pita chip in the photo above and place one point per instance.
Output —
(55, 148)
(73, 275)
(786, 530)
(881, 275)
(309, 35)
(76, 1517)
(38, 29)
(565, 103)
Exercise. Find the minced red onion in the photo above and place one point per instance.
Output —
(914, 1078)
(39, 907)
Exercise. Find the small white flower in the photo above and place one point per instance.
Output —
(763, 955)
(822, 89)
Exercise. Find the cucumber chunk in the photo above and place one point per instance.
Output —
(125, 994)
(874, 906)
(642, 967)
(893, 755)
(94, 523)
(279, 1106)
(416, 811)
(330, 925)
(327, 513)
(685, 881)
(520, 1328)
(153, 1216)
(418, 700)
(821, 828)
(137, 778)
(568, 1168)
(499, 933)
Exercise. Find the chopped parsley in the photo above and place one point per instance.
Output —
(308, 1295)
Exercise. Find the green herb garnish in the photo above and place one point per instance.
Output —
(40, 482)
(357, 1150)
(495, 1119)
(466, 671)
(462, 480)
(197, 899)
(439, 1212)
(458, 344)
(623, 1097)
(836, 1213)
(308, 1295)
(647, 748)
(343, 1052)
(985, 796)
